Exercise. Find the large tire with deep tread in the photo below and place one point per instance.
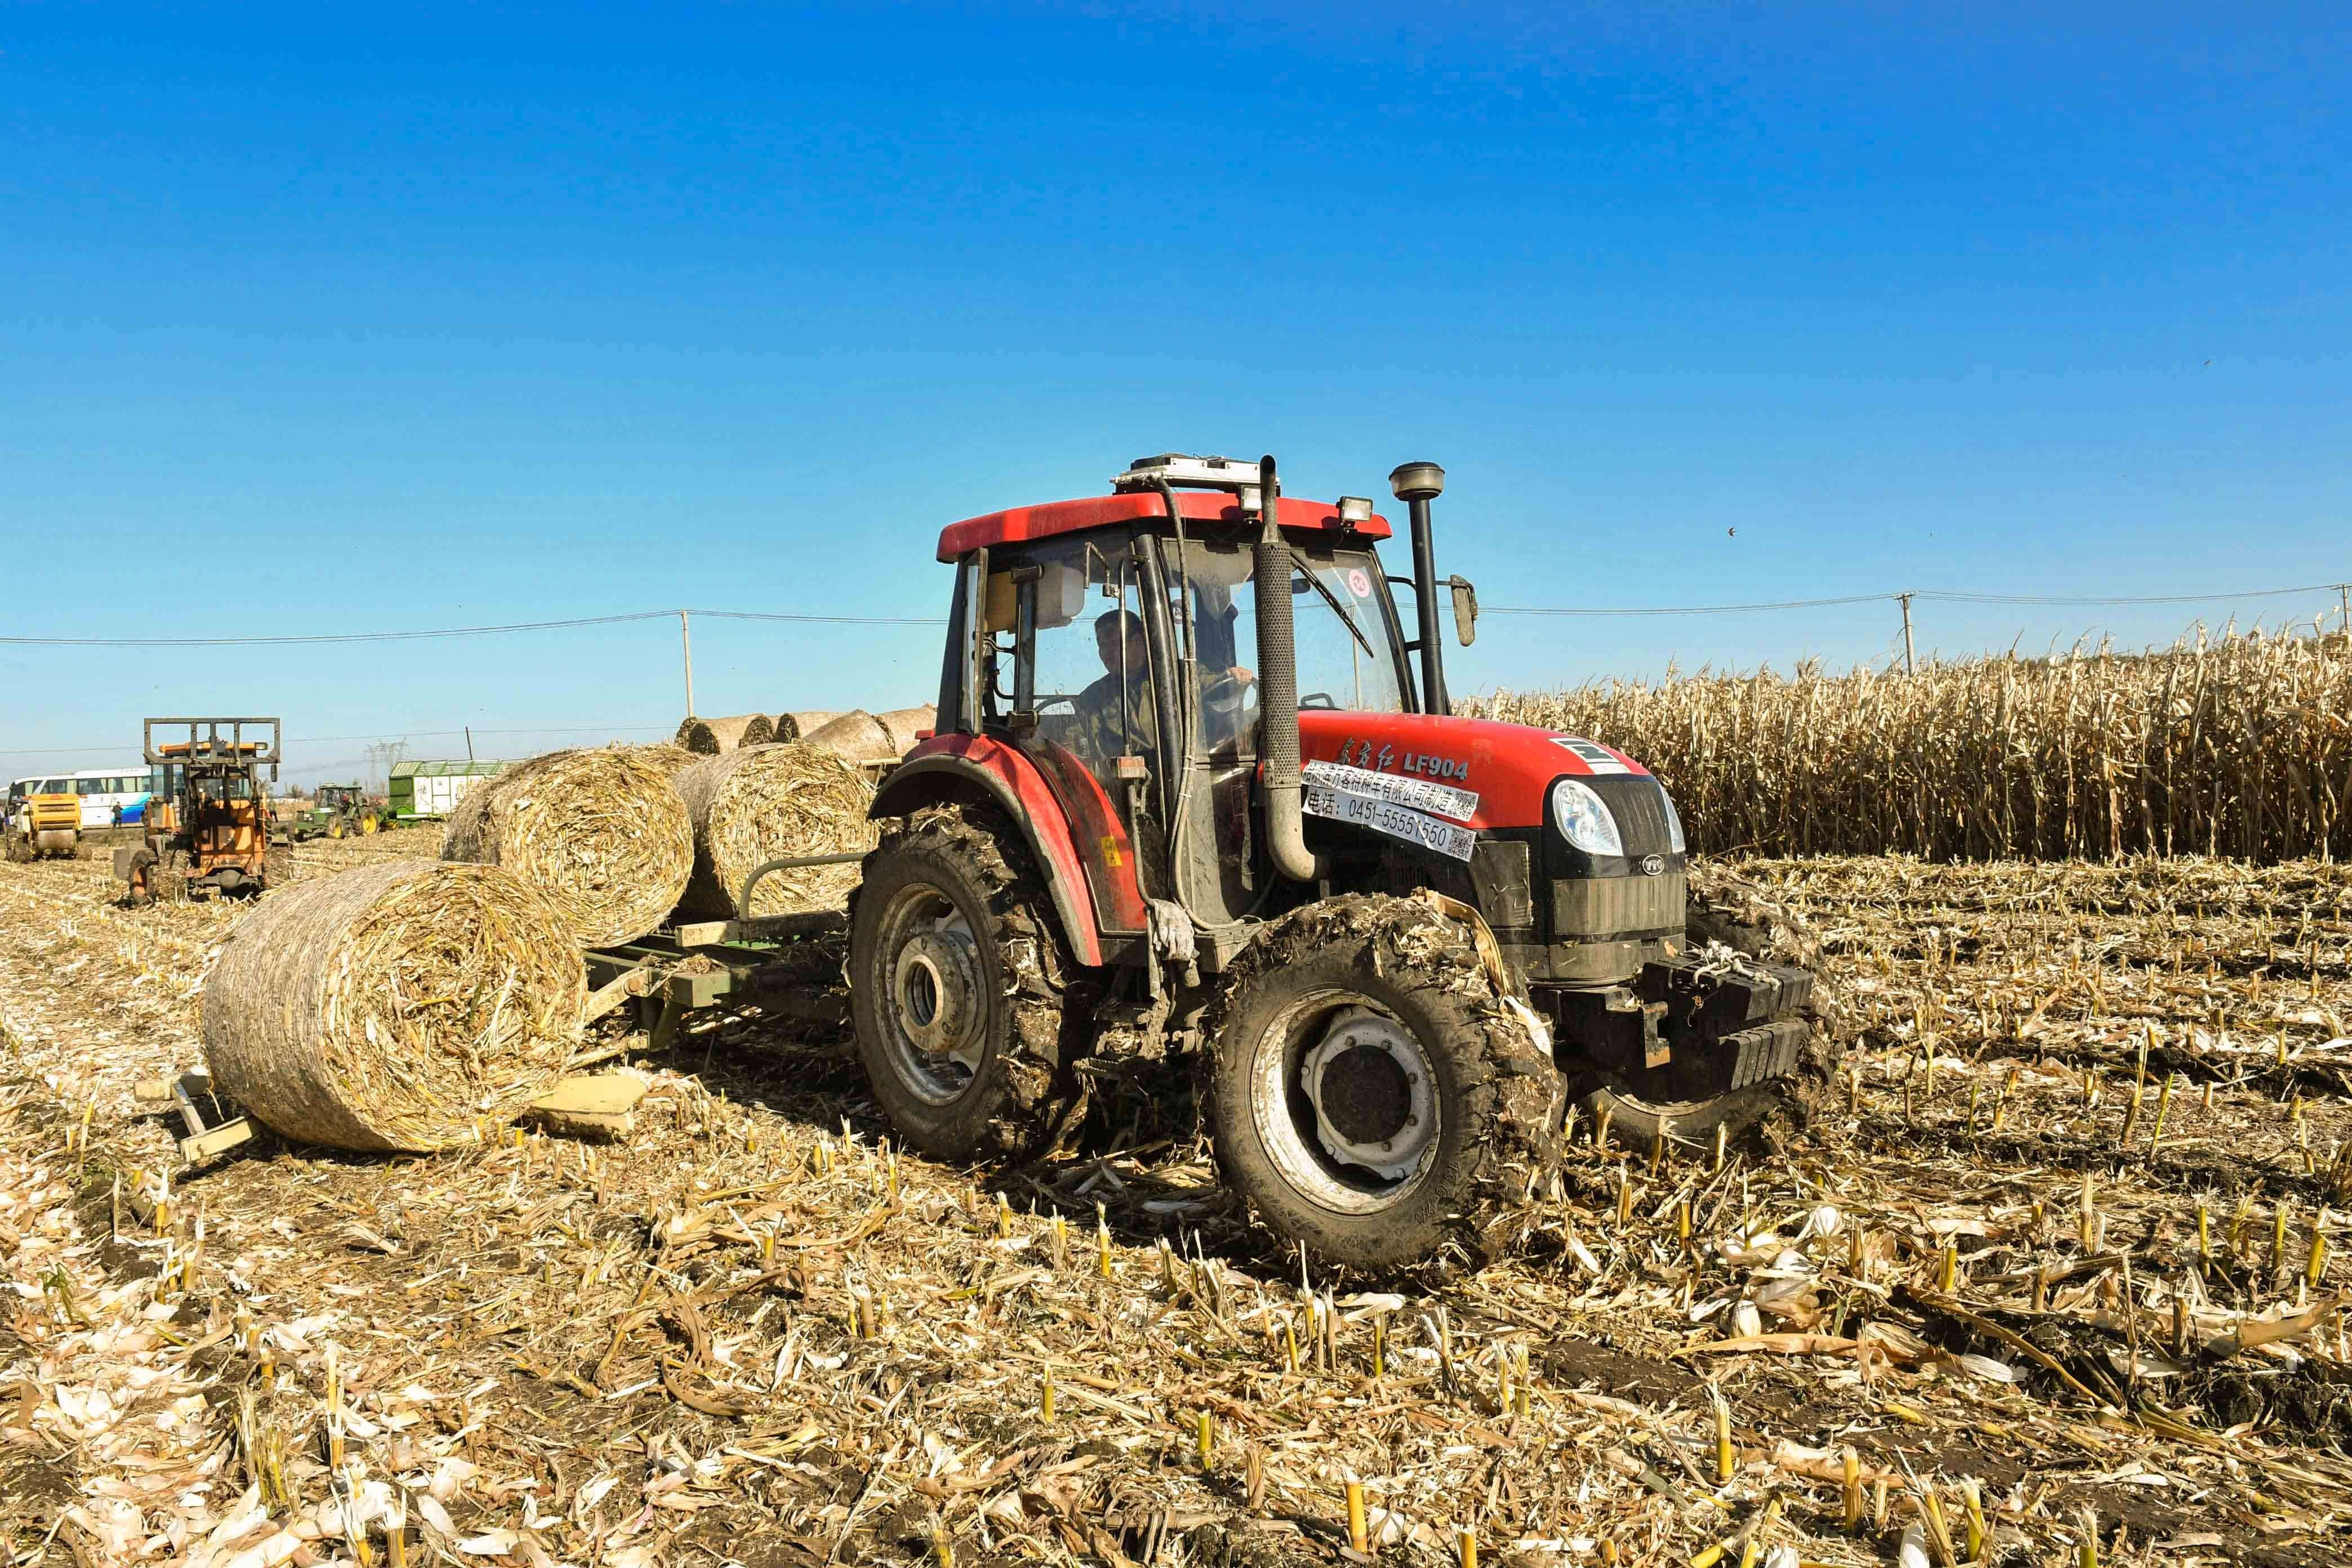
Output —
(1744, 916)
(1496, 1093)
(1019, 1097)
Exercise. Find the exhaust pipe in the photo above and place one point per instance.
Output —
(1416, 485)
(1277, 693)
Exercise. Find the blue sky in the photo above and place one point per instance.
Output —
(428, 317)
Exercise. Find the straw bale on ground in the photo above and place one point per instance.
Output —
(801, 723)
(712, 737)
(409, 1004)
(766, 803)
(861, 737)
(602, 833)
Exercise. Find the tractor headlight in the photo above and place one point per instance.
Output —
(1673, 822)
(1583, 820)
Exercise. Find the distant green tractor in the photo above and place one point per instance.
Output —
(338, 811)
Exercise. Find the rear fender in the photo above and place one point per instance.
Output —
(978, 769)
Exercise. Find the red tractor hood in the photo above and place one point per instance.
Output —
(1509, 767)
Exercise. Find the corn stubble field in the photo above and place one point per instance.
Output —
(2052, 1268)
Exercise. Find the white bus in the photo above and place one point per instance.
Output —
(100, 791)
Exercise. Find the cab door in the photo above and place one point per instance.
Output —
(1084, 707)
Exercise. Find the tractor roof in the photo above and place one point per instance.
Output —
(1020, 523)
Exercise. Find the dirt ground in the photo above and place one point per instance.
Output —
(2019, 1282)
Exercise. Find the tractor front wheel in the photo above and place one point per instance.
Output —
(1372, 1096)
(958, 975)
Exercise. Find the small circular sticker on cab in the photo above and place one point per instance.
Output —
(1358, 582)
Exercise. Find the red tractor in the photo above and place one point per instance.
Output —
(1196, 787)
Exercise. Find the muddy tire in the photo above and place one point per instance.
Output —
(1745, 917)
(1371, 1095)
(958, 982)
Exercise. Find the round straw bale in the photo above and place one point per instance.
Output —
(712, 737)
(904, 722)
(667, 755)
(766, 803)
(854, 737)
(406, 1004)
(801, 723)
(601, 833)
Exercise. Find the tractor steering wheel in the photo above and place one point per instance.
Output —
(1229, 694)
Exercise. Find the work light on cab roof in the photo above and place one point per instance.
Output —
(1197, 784)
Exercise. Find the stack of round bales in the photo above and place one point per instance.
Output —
(601, 834)
(772, 802)
(712, 737)
(409, 1004)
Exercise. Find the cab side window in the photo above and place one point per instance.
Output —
(1089, 672)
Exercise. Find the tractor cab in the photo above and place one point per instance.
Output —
(1115, 646)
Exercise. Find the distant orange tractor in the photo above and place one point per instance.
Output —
(208, 830)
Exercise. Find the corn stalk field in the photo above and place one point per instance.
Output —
(2050, 1276)
(2238, 746)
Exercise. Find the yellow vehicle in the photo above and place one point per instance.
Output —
(44, 819)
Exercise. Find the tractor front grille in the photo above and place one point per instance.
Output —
(1591, 907)
(1639, 804)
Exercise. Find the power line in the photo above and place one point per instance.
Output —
(334, 636)
(1959, 596)
(313, 637)
(401, 735)
(824, 620)
(1955, 596)
(1682, 609)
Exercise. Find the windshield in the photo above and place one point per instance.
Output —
(1346, 657)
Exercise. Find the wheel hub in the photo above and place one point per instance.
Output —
(935, 988)
(1368, 1082)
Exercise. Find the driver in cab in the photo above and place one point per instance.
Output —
(1115, 713)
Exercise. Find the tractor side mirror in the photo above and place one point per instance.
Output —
(1465, 610)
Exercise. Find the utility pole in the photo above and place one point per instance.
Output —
(686, 643)
(1906, 599)
(470, 742)
(2344, 598)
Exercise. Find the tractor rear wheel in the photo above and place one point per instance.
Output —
(1741, 915)
(957, 980)
(139, 889)
(1370, 1094)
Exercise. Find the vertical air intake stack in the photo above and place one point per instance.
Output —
(1416, 485)
(1277, 689)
